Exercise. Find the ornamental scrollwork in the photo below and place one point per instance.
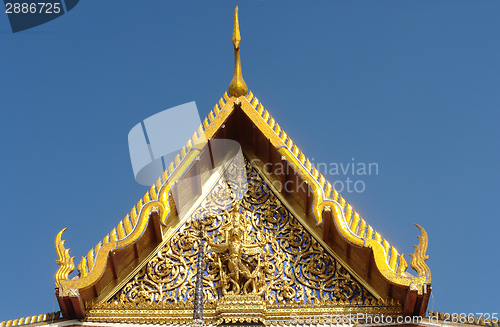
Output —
(252, 244)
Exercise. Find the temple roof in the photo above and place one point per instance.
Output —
(326, 214)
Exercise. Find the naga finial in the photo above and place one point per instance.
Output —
(65, 261)
(237, 87)
(419, 257)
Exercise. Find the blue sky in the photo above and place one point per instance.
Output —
(411, 86)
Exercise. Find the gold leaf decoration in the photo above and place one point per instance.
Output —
(279, 260)
(419, 257)
(64, 260)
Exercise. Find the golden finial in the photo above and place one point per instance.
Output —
(237, 87)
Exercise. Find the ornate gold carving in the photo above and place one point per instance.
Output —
(237, 87)
(235, 233)
(419, 257)
(65, 262)
(253, 245)
(236, 309)
(241, 308)
(324, 195)
(402, 266)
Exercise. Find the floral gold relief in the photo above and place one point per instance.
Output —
(256, 252)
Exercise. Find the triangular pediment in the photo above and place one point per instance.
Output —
(273, 240)
(276, 259)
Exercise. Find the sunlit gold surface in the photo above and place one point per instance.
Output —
(292, 267)
(419, 257)
(235, 236)
(351, 227)
(237, 87)
(324, 197)
(253, 246)
(237, 312)
(65, 262)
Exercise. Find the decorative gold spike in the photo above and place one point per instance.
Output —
(90, 259)
(194, 138)
(328, 189)
(362, 226)
(249, 96)
(386, 245)
(402, 265)
(272, 122)
(348, 213)
(321, 180)
(335, 195)
(277, 129)
(342, 202)
(369, 233)
(260, 108)
(133, 216)
(121, 231)
(64, 260)
(211, 116)
(418, 259)
(255, 102)
(152, 192)
(112, 236)
(82, 267)
(97, 248)
(355, 221)
(283, 137)
(216, 110)
(237, 87)
(394, 258)
(266, 116)
(127, 224)
(302, 157)
(183, 152)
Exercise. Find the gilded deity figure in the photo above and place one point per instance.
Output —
(238, 245)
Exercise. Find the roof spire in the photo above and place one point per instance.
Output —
(237, 87)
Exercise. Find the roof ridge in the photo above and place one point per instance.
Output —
(31, 319)
(127, 225)
(357, 225)
(348, 222)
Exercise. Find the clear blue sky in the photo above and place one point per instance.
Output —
(412, 86)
